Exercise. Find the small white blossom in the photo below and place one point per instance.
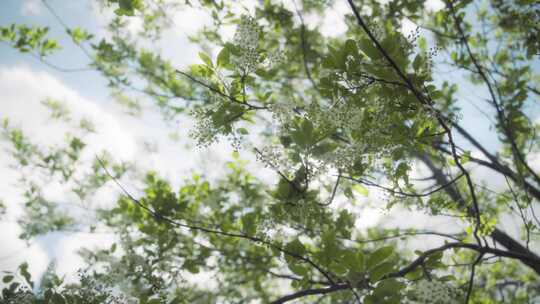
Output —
(247, 61)
(204, 132)
(274, 58)
(274, 157)
(246, 39)
(435, 292)
(247, 33)
(282, 111)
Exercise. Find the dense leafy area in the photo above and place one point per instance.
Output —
(333, 118)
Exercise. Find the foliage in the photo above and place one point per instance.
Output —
(335, 118)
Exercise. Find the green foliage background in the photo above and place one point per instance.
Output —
(333, 118)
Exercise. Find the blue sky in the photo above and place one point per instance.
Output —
(74, 13)
(24, 82)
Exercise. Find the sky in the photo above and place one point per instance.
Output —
(25, 82)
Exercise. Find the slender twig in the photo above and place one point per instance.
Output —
(290, 182)
(500, 111)
(304, 46)
(398, 192)
(376, 79)
(496, 165)
(471, 279)
(217, 91)
(307, 292)
(522, 215)
(334, 190)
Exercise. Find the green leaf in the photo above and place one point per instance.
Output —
(303, 136)
(351, 48)
(8, 278)
(127, 7)
(223, 57)
(378, 256)
(360, 189)
(370, 299)
(79, 35)
(338, 269)
(447, 278)
(433, 260)
(418, 62)
(242, 131)
(380, 271)
(390, 285)
(369, 49)
(323, 148)
(465, 157)
(23, 270)
(415, 274)
(191, 266)
(295, 247)
(206, 59)
(249, 223)
(354, 260)
(297, 269)
(57, 298)
(422, 43)
(307, 129)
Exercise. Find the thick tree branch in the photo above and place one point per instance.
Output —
(308, 292)
(499, 236)
(497, 166)
(418, 262)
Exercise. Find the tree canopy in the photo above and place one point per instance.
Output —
(335, 116)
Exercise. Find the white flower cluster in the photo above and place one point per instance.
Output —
(339, 116)
(282, 112)
(235, 139)
(247, 33)
(347, 119)
(435, 292)
(343, 157)
(246, 39)
(92, 289)
(204, 132)
(274, 58)
(22, 296)
(274, 157)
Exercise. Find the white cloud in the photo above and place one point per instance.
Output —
(31, 8)
(174, 44)
(21, 92)
(63, 248)
(14, 251)
(434, 5)
(407, 26)
(332, 22)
